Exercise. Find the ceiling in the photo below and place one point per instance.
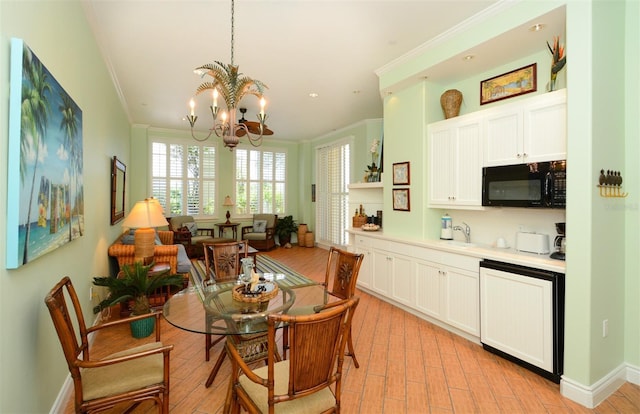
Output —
(296, 47)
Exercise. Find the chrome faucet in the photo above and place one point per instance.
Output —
(466, 230)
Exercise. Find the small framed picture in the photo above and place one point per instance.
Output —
(510, 84)
(401, 175)
(401, 199)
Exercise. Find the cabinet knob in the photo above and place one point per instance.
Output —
(518, 155)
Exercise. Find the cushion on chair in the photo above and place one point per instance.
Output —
(260, 226)
(184, 263)
(123, 377)
(315, 403)
(192, 227)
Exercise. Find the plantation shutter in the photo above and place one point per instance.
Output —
(332, 193)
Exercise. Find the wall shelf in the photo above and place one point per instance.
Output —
(377, 184)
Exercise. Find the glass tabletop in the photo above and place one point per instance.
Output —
(213, 309)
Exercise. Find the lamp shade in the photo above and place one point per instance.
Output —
(145, 214)
(227, 202)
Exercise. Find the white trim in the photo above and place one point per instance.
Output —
(591, 396)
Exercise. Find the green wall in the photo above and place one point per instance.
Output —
(33, 366)
(602, 263)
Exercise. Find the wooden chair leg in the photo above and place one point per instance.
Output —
(352, 352)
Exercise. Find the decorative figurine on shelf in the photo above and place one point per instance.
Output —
(372, 170)
(558, 61)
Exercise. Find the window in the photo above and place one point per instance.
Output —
(332, 195)
(260, 181)
(183, 177)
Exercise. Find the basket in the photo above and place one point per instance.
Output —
(358, 221)
(450, 101)
(309, 239)
(238, 293)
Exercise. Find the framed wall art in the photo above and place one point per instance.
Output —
(401, 199)
(45, 164)
(118, 181)
(510, 84)
(401, 174)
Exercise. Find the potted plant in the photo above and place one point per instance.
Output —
(284, 227)
(135, 284)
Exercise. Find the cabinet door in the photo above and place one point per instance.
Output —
(429, 289)
(503, 136)
(468, 163)
(441, 148)
(545, 128)
(402, 280)
(462, 299)
(517, 316)
(380, 272)
(365, 275)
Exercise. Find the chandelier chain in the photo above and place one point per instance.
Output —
(232, 31)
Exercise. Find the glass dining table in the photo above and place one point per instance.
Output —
(217, 309)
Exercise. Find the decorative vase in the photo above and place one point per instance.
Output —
(450, 101)
(143, 327)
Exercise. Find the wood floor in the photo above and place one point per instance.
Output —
(407, 365)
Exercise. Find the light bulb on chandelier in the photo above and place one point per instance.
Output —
(231, 86)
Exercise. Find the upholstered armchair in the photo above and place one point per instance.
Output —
(186, 232)
(260, 234)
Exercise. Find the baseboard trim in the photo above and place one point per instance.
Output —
(591, 396)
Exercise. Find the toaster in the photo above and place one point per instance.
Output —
(532, 242)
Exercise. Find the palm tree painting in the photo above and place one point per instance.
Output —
(45, 188)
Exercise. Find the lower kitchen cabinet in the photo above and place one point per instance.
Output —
(365, 275)
(440, 285)
(463, 299)
(449, 294)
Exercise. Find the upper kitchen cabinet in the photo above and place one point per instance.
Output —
(530, 130)
(455, 162)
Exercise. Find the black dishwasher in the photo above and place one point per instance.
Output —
(522, 316)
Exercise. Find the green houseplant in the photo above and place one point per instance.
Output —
(284, 227)
(135, 284)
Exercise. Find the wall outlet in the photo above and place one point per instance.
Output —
(605, 328)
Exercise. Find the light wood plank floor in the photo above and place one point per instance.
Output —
(407, 365)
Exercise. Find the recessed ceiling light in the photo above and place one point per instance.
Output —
(537, 27)
(313, 95)
(468, 57)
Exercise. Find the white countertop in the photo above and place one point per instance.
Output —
(509, 255)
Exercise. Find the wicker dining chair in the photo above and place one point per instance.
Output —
(341, 275)
(133, 375)
(222, 264)
(310, 380)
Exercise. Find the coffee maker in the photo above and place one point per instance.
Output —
(560, 242)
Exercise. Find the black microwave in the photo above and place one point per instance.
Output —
(537, 184)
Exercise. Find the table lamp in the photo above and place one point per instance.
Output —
(228, 203)
(144, 216)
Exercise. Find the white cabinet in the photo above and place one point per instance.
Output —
(449, 294)
(517, 316)
(365, 275)
(441, 285)
(462, 299)
(455, 162)
(530, 130)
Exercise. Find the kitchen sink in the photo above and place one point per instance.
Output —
(457, 243)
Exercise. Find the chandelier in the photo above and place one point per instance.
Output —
(231, 86)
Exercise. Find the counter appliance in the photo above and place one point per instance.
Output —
(522, 316)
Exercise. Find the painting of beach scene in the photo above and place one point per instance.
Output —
(45, 188)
